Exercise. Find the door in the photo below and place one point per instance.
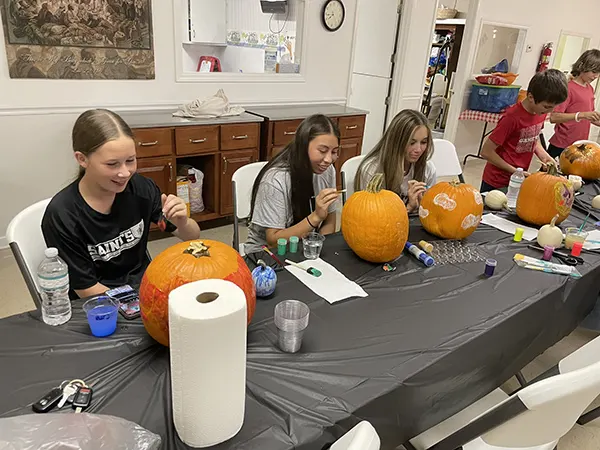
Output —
(161, 170)
(375, 45)
(230, 162)
(207, 21)
(349, 148)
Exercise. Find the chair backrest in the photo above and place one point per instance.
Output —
(362, 437)
(553, 406)
(27, 243)
(582, 357)
(242, 182)
(349, 169)
(445, 159)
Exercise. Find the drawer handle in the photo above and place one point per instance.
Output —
(351, 127)
(224, 165)
(170, 172)
(147, 144)
(244, 136)
(289, 133)
(197, 141)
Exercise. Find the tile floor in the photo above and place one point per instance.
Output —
(15, 299)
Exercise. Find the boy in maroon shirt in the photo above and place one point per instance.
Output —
(516, 137)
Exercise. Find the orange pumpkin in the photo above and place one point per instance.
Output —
(581, 159)
(375, 223)
(544, 195)
(183, 263)
(451, 210)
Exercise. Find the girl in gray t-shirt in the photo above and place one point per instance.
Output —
(402, 155)
(283, 191)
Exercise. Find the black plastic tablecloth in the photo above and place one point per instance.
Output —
(423, 345)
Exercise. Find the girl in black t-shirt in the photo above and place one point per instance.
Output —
(100, 222)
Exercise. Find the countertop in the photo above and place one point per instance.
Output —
(289, 112)
(152, 119)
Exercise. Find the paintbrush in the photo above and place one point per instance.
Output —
(311, 270)
(266, 249)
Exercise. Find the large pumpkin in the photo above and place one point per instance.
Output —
(581, 159)
(451, 210)
(544, 195)
(183, 263)
(375, 223)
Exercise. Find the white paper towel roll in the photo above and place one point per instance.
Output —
(207, 334)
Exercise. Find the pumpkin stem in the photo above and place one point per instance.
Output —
(197, 249)
(262, 264)
(375, 185)
(554, 219)
(552, 170)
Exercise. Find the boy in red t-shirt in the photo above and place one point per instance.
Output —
(516, 137)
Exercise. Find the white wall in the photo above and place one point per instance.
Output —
(36, 116)
(545, 20)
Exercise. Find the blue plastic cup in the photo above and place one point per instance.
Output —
(101, 314)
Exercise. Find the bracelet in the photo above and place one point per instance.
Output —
(577, 117)
(312, 226)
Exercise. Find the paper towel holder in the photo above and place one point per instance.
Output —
(207, 297)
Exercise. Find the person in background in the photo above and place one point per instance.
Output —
(574, 117)
(516, 137)
(100, 222)
(284, 189)
(403, 156)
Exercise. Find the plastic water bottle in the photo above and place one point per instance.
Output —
(514, 186)
(53, 279)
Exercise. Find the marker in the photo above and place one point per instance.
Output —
(314, 272)
(419, 254)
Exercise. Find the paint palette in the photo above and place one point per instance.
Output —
(455, 252)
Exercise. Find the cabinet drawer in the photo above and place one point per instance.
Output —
(284, 131)
(240, 136)
(353, 126)
(153, 142)
(192, 140)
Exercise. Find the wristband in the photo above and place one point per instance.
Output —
(308, 220)
(577, 117)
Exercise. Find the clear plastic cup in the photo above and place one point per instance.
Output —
(312, 244)
(101, 314)
(572, 235)
(291, 319)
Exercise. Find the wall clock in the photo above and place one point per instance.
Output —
(333, 14)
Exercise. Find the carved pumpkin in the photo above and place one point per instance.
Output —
(581, 159)
(375, 223)
(183, 263)
(544, 195)
(451, 210)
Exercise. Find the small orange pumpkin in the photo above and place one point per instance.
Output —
(181, 264)
(451, 210)
(375, 223)
(544, 195)
(581, 159)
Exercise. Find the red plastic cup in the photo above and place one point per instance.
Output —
(577, 247)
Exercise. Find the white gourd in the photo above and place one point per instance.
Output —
(496, 200)
(596, 202)
(550, 235)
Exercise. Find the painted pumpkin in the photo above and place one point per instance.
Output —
(581, 159)
(544, 195)
(265, 279)
(451, 210)
(375, 223)
(183, 263)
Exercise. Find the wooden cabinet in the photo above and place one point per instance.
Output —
(229, 163)
(349, 148)
(193, 140)
(153, 142)
(161, 170)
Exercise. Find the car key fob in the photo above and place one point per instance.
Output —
(83, 398)
(48, 401)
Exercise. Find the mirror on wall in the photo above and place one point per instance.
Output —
(498, 42)
(242, 36)
(570, 47)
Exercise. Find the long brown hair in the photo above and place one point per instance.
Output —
(294, 158)
(589, 61)
(96, 127)
(390, 152)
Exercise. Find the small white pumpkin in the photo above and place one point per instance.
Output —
(596, 202)
(577, 181)
(496, 200)
(550, 235)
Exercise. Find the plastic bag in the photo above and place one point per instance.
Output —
(74, 431)
(196, 202)
(492, 80)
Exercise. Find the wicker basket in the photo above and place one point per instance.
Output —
(446, 13)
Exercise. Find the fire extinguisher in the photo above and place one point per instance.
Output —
(545, 57)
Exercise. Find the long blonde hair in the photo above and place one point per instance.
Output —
(390, 152)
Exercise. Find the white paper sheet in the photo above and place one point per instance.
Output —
(332, 285)
(592, 242)
(508, 227)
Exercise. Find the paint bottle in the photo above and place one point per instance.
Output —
(419, 254)
(490, 266)
(426, 246)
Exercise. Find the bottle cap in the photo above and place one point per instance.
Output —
(51, 252)
(519, 234)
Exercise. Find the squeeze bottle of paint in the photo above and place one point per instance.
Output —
(419, 254)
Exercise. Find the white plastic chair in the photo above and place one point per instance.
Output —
(27, 243)
(348, 172)
(242, 182)
(362, 437)
(446, 160)
(534, 418)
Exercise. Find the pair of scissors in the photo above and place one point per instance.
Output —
(565, 258)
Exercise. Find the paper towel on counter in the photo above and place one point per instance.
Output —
(332, 285)
(499, 223)
(208, 361)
